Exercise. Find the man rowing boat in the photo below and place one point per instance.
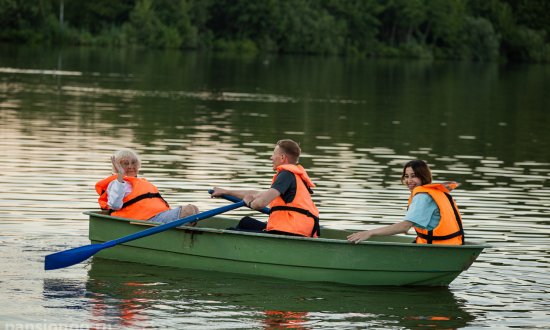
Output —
(289, 197)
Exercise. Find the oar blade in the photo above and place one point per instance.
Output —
(70, 257)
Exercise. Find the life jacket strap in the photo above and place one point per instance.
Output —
(141, 197)
(316, 227)
(458, 219)
(430, 236)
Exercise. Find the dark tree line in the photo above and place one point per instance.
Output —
(484, 30)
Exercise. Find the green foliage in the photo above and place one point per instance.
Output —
(413, 49)
(144, 27)
(444, 23)
(533, 14)
(246, 46)
(518, 42)
(20, 21)
(479, 40)
(309, 29)
(360, 23)
(95, 16)
(527, 45)
(517, 30)
(175, 17)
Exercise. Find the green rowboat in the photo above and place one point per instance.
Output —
(391, 260)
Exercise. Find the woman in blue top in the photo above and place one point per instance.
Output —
(423, 212)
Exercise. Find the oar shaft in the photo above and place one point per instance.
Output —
(233, 199)
(177, 223)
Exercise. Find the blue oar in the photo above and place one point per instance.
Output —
(73, 256)
(235, 199)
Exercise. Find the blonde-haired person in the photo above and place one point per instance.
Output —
(432, 211)
(126, 195)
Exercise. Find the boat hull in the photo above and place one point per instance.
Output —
(385, 261)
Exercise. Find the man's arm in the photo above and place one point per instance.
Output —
(259, 200)
(284, 181)
(218, 192)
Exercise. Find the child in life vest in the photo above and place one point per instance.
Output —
(126, 195)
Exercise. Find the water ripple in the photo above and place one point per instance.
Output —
(56, 139)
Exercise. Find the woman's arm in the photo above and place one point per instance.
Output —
(116, 191)
(423, 212)
(396, 228)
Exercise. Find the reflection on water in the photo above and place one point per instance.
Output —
(130, 293)
(202, 121)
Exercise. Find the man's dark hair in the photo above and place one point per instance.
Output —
(291, 149)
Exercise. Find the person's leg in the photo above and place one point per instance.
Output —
(188, 210)
(176, 214)
(251, 224)
(167, 216)
(277, 232)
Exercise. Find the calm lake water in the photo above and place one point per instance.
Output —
(200, 120)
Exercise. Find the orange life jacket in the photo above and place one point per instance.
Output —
(142, 203)
(300, 216)
(449, 230)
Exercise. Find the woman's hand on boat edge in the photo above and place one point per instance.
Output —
(359, 236)
(397, 228)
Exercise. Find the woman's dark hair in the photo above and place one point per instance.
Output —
(420, 169)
